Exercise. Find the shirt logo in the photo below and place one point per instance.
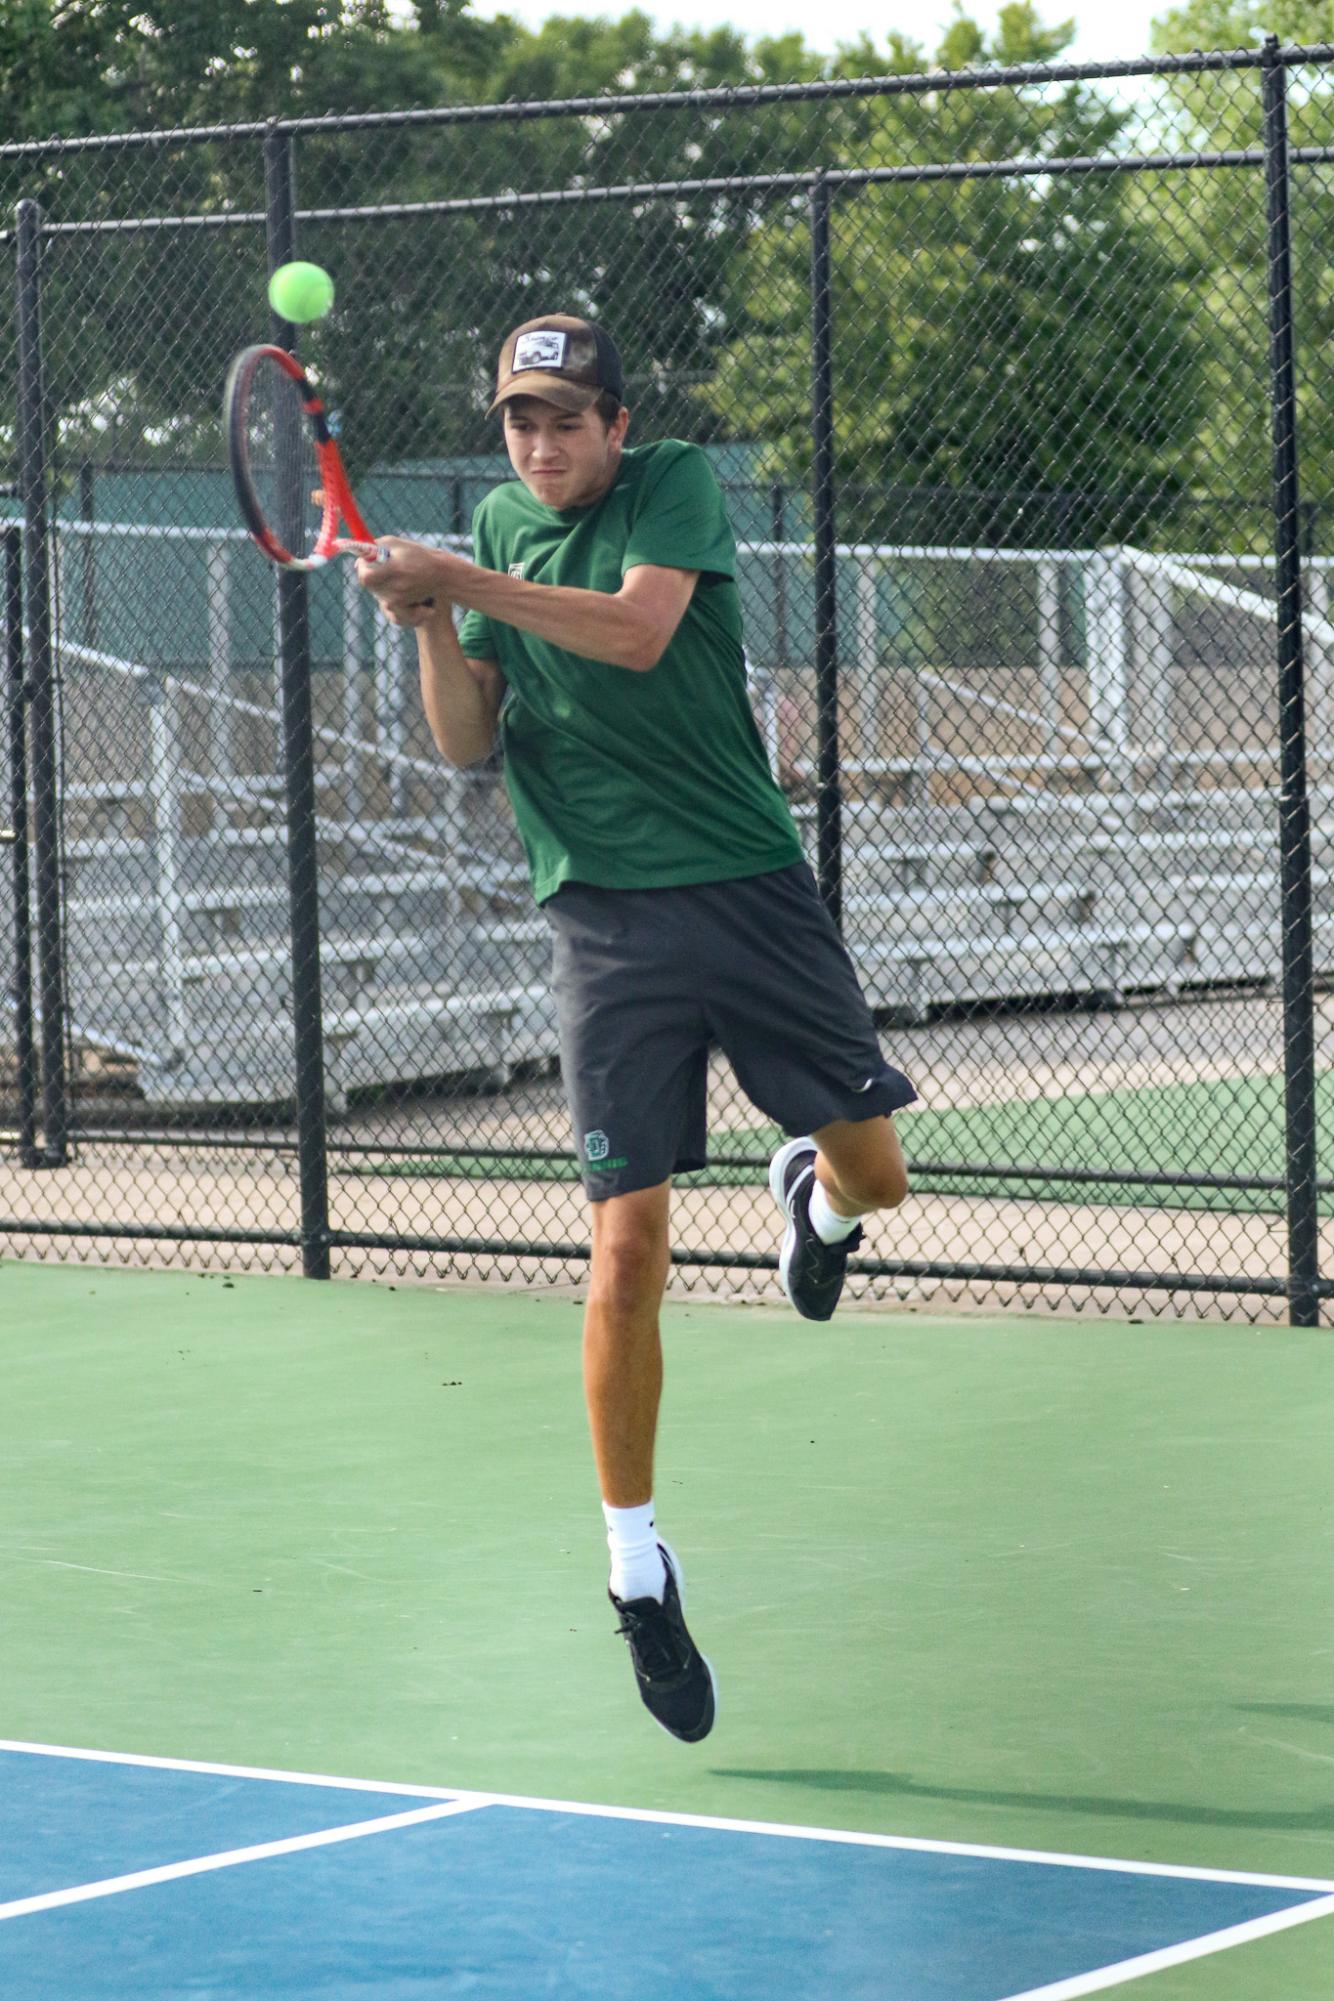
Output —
(596, 1146)
(516, 571)
(538, 350)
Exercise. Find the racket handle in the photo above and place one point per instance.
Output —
(371, 552)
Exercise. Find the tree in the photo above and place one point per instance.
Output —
(1021, 335)
(140, 325)
(1226, 223)
(1015, 333)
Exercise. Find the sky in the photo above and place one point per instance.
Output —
(1108, 30)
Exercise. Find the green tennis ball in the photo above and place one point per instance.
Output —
(299, 292)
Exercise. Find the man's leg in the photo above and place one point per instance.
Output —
(825, 1184)
(860, 1166)
(623, 1386)
(622, 1342)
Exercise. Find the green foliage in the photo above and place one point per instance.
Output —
(1242, 24)
(1043, 336)
(1226, 226)
(1019, 332)
(423, 303)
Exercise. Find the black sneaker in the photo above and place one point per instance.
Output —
(676, 1683)
(812, 1271)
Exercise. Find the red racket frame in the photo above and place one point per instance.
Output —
(339, 505)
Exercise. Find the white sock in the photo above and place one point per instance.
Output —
(637, 1568)
(829, 1226)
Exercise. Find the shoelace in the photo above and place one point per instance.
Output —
(651, 1638)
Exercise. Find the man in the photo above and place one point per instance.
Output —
(603, 637)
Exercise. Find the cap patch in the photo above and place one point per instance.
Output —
(545, 349)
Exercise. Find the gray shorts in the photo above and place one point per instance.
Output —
(647, 980)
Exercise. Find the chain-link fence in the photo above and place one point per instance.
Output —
(1004, 375)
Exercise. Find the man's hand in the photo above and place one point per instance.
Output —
(411, 566)
(408, 584)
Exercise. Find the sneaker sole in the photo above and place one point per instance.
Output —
(671, 1559)
(778, 1167)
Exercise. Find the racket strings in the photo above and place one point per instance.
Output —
(281, 459)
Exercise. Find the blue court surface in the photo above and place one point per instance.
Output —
(153, 1878)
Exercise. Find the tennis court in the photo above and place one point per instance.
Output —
(1021, 1622)
(310, 1687)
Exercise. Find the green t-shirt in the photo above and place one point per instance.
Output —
(622, 779)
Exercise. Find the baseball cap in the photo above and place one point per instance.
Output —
(561, 359)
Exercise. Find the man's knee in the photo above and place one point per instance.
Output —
(880, 1187)
(628, 1266)
(631, 1249)
(866, 1164)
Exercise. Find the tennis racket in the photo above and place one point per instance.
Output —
(290, 481)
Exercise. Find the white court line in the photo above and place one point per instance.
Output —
(199, 1865)
(1175, 1955)
(239, 1771)
(792, 1832)
(979, 1850)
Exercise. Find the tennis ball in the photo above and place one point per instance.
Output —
(300, 292)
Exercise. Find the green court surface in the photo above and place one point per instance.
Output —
(1056, 1585)
(1231, 1127)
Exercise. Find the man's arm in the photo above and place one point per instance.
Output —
(461, 696)
(626, 628)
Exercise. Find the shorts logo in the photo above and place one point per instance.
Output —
(516, 571)
(596, 1146)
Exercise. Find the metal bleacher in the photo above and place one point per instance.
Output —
(1094, 899)
(993, 850)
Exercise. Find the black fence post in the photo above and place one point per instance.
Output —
(299, 769)
(16, 836)
(1294, 805)
(41, 687)
(829, 803)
